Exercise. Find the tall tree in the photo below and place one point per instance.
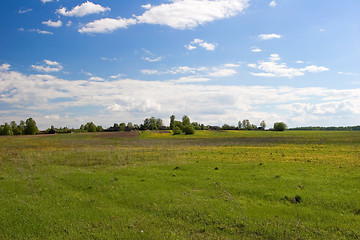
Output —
(263, 124)
(159, 123)
(185, 120)
(172, 122)
(15, 128)
(30, 127)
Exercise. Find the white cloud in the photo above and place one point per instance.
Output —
(231, 65)
(50, 66)
(273, 68)
(147, 6)
(96, 79)
(225, 70)
(252, 65)
(41, 31)
(52, 117)
(51, 63)
(53, 24)
(25, 11)
(108, 59)
(272, 4)
(348, 73)
(152, 59)
(87, 73)
(5, 67)
(69, 23)
(117, 76)
(83, 10)
(185, 14)
(191, 79)
(133, 100)
(269, 36)
(178, 14)
(200, 43)
(106, 25)
(314, 69)
(46, 1)
(222, 72)
(149, 72)
(256, 49)
(190, 47)
(299, 61)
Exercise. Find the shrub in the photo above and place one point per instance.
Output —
(280, 126)
(189, 129)
(176, 130)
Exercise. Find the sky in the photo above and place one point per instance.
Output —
(68, 62)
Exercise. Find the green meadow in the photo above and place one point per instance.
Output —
(210, 185)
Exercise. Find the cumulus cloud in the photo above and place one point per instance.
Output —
(133, 100)
(272, 4)
(191, 79)
(96, 79)
(107, 25)
(178, 14)
(53, 24)
(5, 67)
(185, 14)
(225, 70)
(50, 66)
(83, 10)
(273, 68)
(269, 36)
(200, 43)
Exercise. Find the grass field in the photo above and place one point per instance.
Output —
(211, 185)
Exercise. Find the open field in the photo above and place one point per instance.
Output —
(211, 185)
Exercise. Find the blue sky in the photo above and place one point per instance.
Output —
(65, 62)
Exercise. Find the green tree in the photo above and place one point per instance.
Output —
(90, 127)
(280, 126)
(188, 129)
(30, 127)
(22, 127)
(172, 122)
(6, 130)
(15, 128)
(152, 125)
(246, 124)
(263, 124)
(185, 120)
(240, 126)
(176, 130)
(159, 123)
(122, 126)
(99, 129)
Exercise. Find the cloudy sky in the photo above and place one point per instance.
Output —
(68, 62)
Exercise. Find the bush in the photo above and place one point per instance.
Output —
(176, 130)
(189, 129)
(279, 126)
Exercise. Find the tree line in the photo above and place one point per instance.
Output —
(185, 126)
(27, 127)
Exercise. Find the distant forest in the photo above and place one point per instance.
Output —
(349, 128)
(185, 126)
